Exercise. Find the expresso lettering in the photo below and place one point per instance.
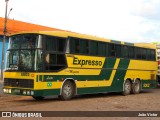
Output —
(77, 61)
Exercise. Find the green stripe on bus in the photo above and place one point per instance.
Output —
(117, 84)
(118, 80)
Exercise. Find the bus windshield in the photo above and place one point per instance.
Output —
(25, 53)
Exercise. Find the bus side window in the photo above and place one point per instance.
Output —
(111, 50)
(125, 51)
(61, 44)
(153, 55)
(138, 53)
(51, 44)
(93, 48)
(74, 45)
(118, 50)
(131, 52)
(102, 49)
(55, 61)
(144, 54)
(77, 46)
(84, 46)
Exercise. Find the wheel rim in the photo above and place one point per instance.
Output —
(137, 87)
(67, 90)
(127, 87)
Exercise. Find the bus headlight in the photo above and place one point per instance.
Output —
(5, 90)
(9, 91)
(28, 92)
(24, 92)
(32, 92)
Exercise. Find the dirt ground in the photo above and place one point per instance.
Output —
(145, 101)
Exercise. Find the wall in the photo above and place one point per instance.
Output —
(1, 45)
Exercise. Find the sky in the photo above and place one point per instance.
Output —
(124, 20)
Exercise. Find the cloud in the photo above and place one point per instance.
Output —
(148, 12)
(126, 20)
(149, 9)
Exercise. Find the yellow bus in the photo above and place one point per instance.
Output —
(47, 63)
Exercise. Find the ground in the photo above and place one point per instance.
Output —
(145, 101)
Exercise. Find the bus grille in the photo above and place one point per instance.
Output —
(24, 83)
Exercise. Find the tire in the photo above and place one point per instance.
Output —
(127, 88)
(67, 91)
(38, 97)
(136, 87)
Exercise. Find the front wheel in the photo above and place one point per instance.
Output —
(127, 88)
(67, 91)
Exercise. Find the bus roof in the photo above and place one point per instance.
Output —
(66, 34)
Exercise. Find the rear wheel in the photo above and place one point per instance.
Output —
(67, 91)
(136, 87)
(38, 97)
(127, 88)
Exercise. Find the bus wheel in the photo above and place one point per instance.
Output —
(127, 88)
(67, 90)
(38, 97)
(136, 87)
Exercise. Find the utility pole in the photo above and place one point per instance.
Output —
(4, 40)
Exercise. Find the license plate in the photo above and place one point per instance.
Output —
(16, 91)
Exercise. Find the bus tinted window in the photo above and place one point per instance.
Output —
(153, 55)
(84, 47)
(125, 51)
(102, 49)
(51, 43)
(111, 50)
(144, 53)
(93, 48)
(117, 50)
(138, 53)
(55, 44)
(55, 57)
(131, 52)
(61, 44)
(74, 45)
(149, 54)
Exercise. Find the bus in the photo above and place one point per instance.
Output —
(158, 57)
(46, 63)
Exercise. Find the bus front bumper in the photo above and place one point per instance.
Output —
(31, 92)
(16, 91)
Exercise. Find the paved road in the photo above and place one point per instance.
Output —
(145, 101)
